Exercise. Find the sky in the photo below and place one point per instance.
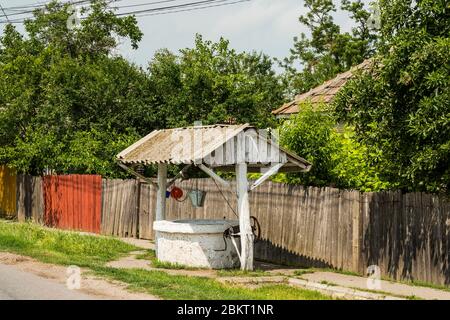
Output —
(257, 25)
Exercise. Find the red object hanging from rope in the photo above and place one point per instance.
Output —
(176, 193)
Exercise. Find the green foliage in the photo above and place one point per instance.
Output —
(84, 152)
(66, 103)
(97, 34)
(401, 110)
(213, 83)
(338, 159)
(326, 50)
(310, 134)
(353, 168)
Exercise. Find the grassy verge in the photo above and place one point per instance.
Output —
(302, 272)
(93, 252)
(242, 273)
(167, 286)
(60, 247)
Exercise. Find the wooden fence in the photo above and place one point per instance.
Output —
(7, 192)
(73, 202)
(406, 235)
(120, 208)
(30, 199)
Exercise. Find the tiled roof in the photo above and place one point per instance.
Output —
(324, 93)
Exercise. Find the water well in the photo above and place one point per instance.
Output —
(197, 243)
(241, 149)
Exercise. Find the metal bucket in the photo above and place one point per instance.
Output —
(197, 198)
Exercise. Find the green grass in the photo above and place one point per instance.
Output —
(242, 273)
(167, 286)
(60, 247)
(150, 255)
(302, 272)
(93, 252)
(169, 265)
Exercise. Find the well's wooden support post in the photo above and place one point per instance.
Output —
(247, 238)
(161, 195)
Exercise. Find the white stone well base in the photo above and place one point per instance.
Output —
(196, 243)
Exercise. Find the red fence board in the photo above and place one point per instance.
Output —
(73, 202)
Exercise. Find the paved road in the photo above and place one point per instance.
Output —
(19, 285)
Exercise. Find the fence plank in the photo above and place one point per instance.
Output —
(120, 208)
(30, 201)
(8, 193)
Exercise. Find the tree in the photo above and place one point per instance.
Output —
(96, 35)
(327, 51)
(338, 159)
(400, 110)
(310, 134)
(213, 83)
(67, 103)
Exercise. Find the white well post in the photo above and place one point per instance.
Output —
(161, 195)
(247, 237)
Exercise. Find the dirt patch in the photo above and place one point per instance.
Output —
(92, 285)
(9, 258)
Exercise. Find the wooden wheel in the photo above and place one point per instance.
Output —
(256, 228)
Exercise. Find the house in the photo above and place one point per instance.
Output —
(325, 93)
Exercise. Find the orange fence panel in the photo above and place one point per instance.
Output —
(8, 182)
(73, 202)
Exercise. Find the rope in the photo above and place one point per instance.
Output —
(226, 199)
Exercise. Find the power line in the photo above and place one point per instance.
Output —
(32, 8)
(145, 4)
(3, 10)
(42, 5)
(179, 6)
(185, 7)
(38, 7)
(29, 10)
(167, 7)
(194, 9)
